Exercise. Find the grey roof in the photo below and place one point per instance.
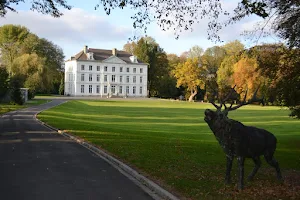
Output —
(102, 54)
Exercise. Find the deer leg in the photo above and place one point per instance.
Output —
(241, 161)
(257, 162)
(229, 160)
(271, 161)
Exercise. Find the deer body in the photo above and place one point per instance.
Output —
(238, 140)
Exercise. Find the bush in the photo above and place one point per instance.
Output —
(295, 112)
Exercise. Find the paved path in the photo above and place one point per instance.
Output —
(37, 163)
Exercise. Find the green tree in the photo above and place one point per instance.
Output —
(195, 52)
(15, 85)
(11, 38)
(190, 75)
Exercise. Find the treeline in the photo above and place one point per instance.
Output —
(28, 61)
(197, 74)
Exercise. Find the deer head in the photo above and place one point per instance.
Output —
(215, 116)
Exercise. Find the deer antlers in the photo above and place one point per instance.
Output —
(242, 103)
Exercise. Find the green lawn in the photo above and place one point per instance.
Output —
(169, 142)
(5, 107)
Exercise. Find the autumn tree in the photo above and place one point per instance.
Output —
(4, 86)
(195, 52)
(246, 75)
(190, 75)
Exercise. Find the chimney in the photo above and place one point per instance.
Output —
(85, 49)
(114, 51)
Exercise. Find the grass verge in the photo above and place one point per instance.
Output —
(6, 107)
(170, 143)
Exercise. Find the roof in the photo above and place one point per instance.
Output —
(102, 54)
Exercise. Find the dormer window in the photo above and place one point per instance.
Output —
(133, 59)
(90, 56)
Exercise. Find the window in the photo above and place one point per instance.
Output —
(113, 69)
(121, 79)
(90, 67)
(113, 89)
(82, 88)
(141, 70)
(98, 77)
(82, 77)
(133, 89)
(105, 68)
(113, 78)
(134, 70)
(98, 89)
(134, 79)
(90, 77)
(127, 79)
(105, 78)
(141, 79)
(90, 89)
(120, 89)
(141, 90)
(98, 68)
(121, 69)
(127, 69)
(127, 89)
(105, 89)
(82, 67)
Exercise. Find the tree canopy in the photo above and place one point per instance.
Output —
(281, 16)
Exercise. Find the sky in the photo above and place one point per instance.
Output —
(83, 25)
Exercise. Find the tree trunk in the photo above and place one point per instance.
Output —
(193, 94)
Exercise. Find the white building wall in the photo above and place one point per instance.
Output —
(77, 72)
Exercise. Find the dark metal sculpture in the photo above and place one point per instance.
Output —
(238, 140)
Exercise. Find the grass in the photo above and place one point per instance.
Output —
(170, 143)
(7, 107)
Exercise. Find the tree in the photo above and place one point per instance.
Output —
(45, 6)
(283, 15)
(129, 47)
(246, 76)
(16, 95)
(195, 52)
(190, 75)
(11, 38)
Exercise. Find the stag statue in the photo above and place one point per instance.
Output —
(238, 140)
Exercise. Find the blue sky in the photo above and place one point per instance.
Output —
(84, 25)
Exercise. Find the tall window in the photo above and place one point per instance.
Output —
(134, 79)
(133, 89)
(127, 89)
(121, 69)
(82, 77)
(90, 77)
(120, 89)
(141, 90)
(90, 89)
(82, 67)
(127, 69)
(105, 89)
(134, 70)
(141, 79)
(121, 79)
(113, 89)
(82, 88)
(105, 68)
(105, 78)
(113, 69)
(98, 68)
(127, 79)
(113, 78)
(98, 77)
(141, 70)
(98, 89)
(90, 67)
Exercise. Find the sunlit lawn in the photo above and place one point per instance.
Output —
(7, 107)
(169, 142)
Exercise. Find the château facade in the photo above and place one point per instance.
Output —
(105, 73)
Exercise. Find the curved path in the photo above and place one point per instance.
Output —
(37, 163)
